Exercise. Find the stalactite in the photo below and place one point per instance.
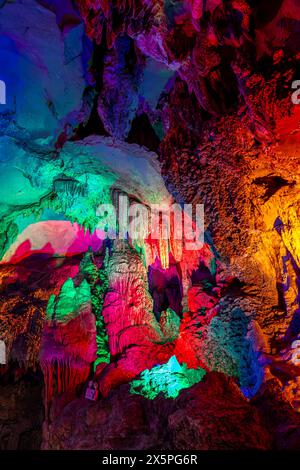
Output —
(62, 375)
(164, 253)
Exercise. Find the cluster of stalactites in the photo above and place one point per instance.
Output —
(62, 375)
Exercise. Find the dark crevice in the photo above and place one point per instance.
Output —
(21, 424)
(264, 11)
(203, 277)
(142, 133)
(271, 184)
(165, 287)
(94, 126)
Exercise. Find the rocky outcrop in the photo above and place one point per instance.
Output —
(134, 335)
(68, 340)
(168, 379)
(278, 414)
(214, 412)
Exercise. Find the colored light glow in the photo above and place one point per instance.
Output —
(69, 300)
(168, 379)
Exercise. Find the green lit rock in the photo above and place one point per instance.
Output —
(170, 324)
(97, 279)
(167, 379)
(38, 184)
(70, 301)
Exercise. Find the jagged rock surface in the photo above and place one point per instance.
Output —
(213, 411)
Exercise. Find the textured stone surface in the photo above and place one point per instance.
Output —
(214, 412)
(279, 416)
(21, 411)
